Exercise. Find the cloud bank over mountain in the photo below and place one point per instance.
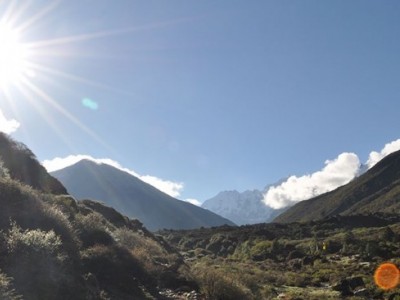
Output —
(375, 157)
(193, 201)
(169, 187)
(334, 174)
(8, 125)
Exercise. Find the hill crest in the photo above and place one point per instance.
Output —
(133, 197)
(377, 190)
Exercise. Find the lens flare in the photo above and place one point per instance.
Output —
(387, 276)
(89, 103)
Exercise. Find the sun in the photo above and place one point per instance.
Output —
(29, 67)
(13, 57)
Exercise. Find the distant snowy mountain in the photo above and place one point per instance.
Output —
(242, 208)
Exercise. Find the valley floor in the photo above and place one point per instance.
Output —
(331, 259)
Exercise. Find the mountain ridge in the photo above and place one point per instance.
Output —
(377, 190)
(135, 198)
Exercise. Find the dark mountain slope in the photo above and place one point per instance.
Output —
(133, 197)
(23, 166)
(377, 190)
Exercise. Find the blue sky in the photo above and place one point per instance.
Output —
(216, 95)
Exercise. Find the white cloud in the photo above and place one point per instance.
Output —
(193, 201)
(8, 125)
(169, 187)
(375, 157)
(336, 173)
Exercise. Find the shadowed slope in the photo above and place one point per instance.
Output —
(24, 167)
(377, 190)
(133, 197)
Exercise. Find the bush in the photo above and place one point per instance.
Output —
(129, 238)
(93, 229)
(261, 250)
(65, 203)
(219, 285)
(152, 257)
(32, 210)
(38, 264)
(6, 290)
(114, 268)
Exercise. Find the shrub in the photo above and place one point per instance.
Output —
(129, 238)
(114, 267)
(93, 229)
(22, 242)
(38, 264)
(152, 257)
(219, 285)
(261, 250)
(243, 251)
(6, 290)
(32, 210)
(65, 203)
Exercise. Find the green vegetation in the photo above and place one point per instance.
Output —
(53, 247)
(7, 291)
(329, 259)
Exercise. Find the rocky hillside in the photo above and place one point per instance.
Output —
(53, 247)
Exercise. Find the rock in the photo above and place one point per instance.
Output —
(343, 287)
(363, 292)
(349, 286)
(307, 260)
(184, 289)
(356, 282)
(295, 263)
(295, 254)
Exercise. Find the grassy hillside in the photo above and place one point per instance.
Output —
(378, 190)
(23, 166)
(55, 248)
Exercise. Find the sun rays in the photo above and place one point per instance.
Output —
(21, 62)
(31, 65)
(13, 57)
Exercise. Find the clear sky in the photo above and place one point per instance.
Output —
(217, 95)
